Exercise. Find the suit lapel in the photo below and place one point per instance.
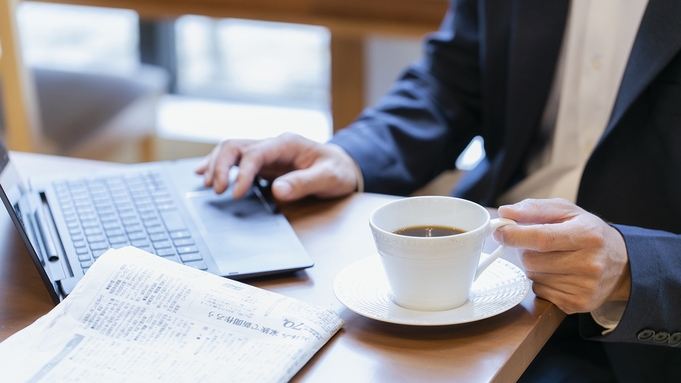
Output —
(657, 42)
(536, 37)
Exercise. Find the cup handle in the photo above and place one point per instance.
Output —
(493, 225)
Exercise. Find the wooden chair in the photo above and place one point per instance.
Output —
(97, 116)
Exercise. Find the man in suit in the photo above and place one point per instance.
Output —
(574, 99)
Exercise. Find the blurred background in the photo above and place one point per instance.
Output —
(204, 79)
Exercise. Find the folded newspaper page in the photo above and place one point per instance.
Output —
(136, 317)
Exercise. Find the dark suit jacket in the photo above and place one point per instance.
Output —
(488, 72)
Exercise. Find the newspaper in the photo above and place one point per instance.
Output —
(136, 317)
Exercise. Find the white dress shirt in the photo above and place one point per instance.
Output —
(596, 47)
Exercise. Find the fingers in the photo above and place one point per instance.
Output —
(298, 166)
(543, 237)
(215, 166)
(540, 211)
(554, 279)
(321, 180)
(250, 155)
(331, 174)
(574, 258)
(257, 157)
(565, 298)
(583, 263)
(550, 225)
(569, 292)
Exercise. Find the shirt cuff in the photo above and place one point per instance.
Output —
(358, 172)
(609, 315)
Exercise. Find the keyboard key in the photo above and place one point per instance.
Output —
(183, 242)
(190, 257)
(127, 213)
(87, 216)
(144, 206)
(87, 223)
(85, 210)
(165, 252)
(140, 243)
(99, 245)
(142, 199)
(148, 215)
(133, 228)
(72, 223)
(116, 239)
(108, 217)
(158, 237)
(105, 210)
(112, 232)
(155, 229)
(137, 235)
(180, 234)
(187, 249)
(130, 221)
(98, 253)
(146, 209)
(92, 230)
(96, 238)
(151, 221)
(165, 206)
(111, 225)
(162, 244)
(161, 199)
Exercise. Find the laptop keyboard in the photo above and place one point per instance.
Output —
(127, 210)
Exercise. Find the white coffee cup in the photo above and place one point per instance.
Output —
(433, 273)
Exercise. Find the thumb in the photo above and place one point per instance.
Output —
(539, 211)
(301, 183)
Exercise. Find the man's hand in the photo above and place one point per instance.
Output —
(297, 166)
(575, 259)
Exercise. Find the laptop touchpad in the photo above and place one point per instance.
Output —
(224, 214)
(235, 229)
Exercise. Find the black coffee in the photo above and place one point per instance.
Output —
(429, 231)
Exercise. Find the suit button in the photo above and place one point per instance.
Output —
(674, 339)
(660, 337)
(645, 334)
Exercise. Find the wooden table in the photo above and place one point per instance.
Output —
(335, 233)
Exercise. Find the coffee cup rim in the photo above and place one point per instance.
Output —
(467, 233)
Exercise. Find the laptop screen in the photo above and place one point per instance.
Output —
(10, 181)
(13, 195)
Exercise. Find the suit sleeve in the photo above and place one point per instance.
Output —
(653, 312)
(429, 115)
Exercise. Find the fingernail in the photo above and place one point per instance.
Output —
(498, 237)
(281, 188)
(505, 209)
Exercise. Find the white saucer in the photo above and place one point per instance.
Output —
(363, 288)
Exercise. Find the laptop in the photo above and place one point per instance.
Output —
(68, 221)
